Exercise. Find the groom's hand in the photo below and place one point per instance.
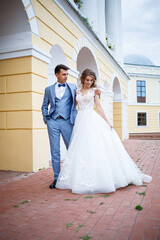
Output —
(98, 92)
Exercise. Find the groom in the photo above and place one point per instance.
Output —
(61, 116)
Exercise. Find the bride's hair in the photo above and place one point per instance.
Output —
(88, 72)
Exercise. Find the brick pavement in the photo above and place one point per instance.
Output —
(30, 210)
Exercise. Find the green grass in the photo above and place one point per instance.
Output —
(141, 193)
(91, 212)
(25, 201)
(88, 196)
(101, 203)
(105, 195)
(41, 168)
(144, 185)
(69, 225)
(86, 237)
(69, 199)
(139, 207)
(79, 227)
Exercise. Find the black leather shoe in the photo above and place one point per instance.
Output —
(53, 185)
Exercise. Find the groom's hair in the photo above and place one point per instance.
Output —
(59, 67)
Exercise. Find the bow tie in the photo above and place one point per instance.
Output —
(61, 85)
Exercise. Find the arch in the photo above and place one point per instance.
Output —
(83, 42)
(117, 105)
(17, 17)
(31, 16)
(84, 53)
(16, 27)
(13, 18)
(116, 90)
(116, 87)
(85, 60)
(57, 57)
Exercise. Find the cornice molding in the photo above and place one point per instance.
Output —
(28, 50)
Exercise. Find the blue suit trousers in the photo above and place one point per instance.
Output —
(55, 128)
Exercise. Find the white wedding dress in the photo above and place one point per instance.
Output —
(96, 161)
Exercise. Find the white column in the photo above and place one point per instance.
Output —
(101, 21)
(51, 76)
(113, 16)
(89, 10)
(106, 102)
(129, 91)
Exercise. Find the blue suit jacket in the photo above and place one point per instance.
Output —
(49, 99)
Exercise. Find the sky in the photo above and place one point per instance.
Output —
(141, 28)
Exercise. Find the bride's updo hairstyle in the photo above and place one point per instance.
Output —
(86, 73)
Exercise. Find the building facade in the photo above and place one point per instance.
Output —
(143, 97)
(35, 36)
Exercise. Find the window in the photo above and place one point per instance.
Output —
(141, 119)
(141, 91)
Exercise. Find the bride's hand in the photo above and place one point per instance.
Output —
(98, 92)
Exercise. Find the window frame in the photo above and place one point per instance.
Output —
(141, 91)
(137, 118)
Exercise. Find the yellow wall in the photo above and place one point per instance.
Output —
(152, 119)
(22, 84)
(118, 118)
(152, 86)
(152, 98)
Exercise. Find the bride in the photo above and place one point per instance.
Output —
(96, 161)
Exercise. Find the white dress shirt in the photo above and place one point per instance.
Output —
(59, 91)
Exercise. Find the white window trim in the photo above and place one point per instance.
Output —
(146, 90)
(137, 120)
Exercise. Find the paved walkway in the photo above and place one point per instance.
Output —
(31, 211)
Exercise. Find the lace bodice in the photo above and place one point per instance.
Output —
(85, 101)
